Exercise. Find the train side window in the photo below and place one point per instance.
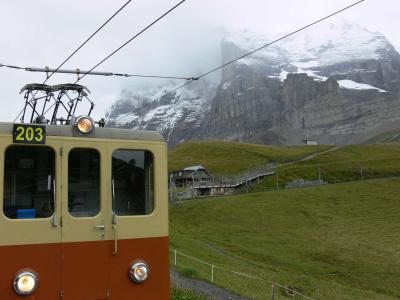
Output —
(28, 182)
(133, 182)
(83, 182)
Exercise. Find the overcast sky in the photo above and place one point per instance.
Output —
(43, 33)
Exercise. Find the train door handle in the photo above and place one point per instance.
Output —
(100, 227)
(115, 252)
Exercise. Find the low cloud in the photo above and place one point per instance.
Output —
(185, 43)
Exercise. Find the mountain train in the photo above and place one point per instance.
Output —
(84, 212)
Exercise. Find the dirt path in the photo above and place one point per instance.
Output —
(202, 287)
(309, 157)
(320, 153)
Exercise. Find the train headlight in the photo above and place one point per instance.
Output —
(26, 282)
(84, 125)
(139, 271)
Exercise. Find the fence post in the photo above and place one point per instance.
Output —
(361, 173)
(175, 258)
(212, 273)
(273, 292)
(277, 181)
(192, 186)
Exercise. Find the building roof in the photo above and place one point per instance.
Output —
(194, 168)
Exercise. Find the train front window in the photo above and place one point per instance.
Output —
(84, 182)
(133, 183)
(28, 182)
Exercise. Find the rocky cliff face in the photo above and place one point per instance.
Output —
(341, 88)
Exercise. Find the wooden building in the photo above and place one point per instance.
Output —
(186, 177)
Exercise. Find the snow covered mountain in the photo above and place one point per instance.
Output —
(319, 52)
(335, 83)
(180, 112)
(325, 44)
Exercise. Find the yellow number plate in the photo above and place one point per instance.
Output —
(29, 134)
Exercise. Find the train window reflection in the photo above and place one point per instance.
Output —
(28, 182)
(83, 182)
(133, 183)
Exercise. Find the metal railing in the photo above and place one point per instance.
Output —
(262, 288)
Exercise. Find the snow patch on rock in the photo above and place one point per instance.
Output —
(226, 85)
(350, 84)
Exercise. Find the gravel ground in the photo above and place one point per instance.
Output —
(203, 287)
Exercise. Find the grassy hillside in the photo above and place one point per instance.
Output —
(389, 136)
(232, 157)
(332, 242)
(348, 163)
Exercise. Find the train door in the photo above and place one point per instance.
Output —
(140, 223)
(29, 228)
(85, 253)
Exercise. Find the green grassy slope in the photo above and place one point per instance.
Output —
(333, 242)
(348, 163)
(232, 157)
(389, 136)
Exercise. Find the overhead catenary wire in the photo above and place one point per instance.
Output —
(11, 67)
(79, 47)
(156, 100)
(280, 39)
(96, 73)
(88, 39)
(131, 39)
(245, 55)
(126, 43)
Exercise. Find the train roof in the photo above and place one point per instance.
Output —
(101, 133)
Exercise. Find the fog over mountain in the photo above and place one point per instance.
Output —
(339, 87)
(185, 43)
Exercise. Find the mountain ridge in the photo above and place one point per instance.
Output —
(342, 91)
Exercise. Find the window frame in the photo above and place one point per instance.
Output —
(54, 189)
(154, 186)
(100, 210)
